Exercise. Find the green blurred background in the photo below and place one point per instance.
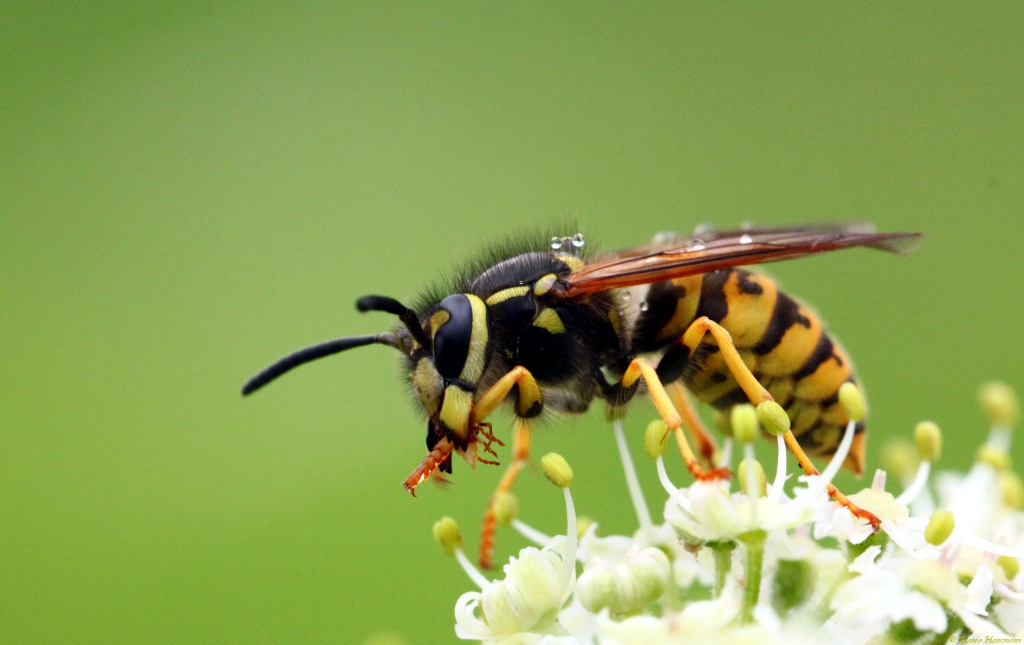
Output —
(189, 190)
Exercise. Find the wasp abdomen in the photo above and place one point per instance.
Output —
(781, 341)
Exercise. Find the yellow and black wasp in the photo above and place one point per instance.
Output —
(546, 326)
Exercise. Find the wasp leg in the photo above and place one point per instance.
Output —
(833, 492)
(528, 405)
(757, 395)
(706, 444)
(441, 453)
(639, 367)
(520, 457)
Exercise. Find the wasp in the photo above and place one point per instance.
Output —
(546, 326)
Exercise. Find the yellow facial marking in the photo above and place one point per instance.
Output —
(474, 367)
(505, 294)
(544, 284)
(458, 404)
(549, 320)
(428, 384)
(439, 318)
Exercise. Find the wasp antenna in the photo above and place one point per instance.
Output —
(406, 315)
(308, 354)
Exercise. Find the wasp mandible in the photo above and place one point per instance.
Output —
(546, 326)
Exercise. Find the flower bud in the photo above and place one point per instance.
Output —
(639, 580)
(1011, 489)
(899, 457)
(940, 527)
(556, 469)
(531, 591)
(999, 402)
(447, 535)
(773, 418)
(993, 456)
(760, 481)
(506, 507)
(656, 438)
(1010, 566)
(852, 400)
(928, 438)
(743, 419)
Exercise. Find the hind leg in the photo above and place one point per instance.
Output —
(754, 391)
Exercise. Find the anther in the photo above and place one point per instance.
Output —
(447, 535)
(999, 402)
(1009, 565)
(928, 438)
(556, 469)
(743, 419)
(506, 507)
(940, 527)
(656, 438)
(752, 478)
(852, 400)
(773, 418)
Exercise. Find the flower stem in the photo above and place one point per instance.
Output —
(754, 542)
(723, 563)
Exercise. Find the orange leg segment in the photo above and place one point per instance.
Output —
(641, 368)
(520, 457)
(758, 394)
(833, 492)
(706, 445)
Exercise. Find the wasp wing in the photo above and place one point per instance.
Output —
(674, 257)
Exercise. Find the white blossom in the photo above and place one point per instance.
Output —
(727, 567)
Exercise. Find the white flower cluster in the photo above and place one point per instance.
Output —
(762, 566)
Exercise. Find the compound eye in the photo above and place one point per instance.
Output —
(452, 336)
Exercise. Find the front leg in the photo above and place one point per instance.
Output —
(528, 405)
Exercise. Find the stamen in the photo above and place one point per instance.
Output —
(990, 547)
(780, 472)
(840, 456)
(643, 514)
(666, 483)
(530, 533)
(916, 486)
(751, 484)
(571, 542)
(471, 571)
(726, 456)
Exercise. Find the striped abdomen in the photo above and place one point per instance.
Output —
(781, 341)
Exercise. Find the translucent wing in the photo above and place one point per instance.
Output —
(671, 257)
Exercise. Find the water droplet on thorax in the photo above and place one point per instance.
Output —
(696, 245)
(556, 243)
(577, 240)
(643, 306)
(746, 239)
(626, 296)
